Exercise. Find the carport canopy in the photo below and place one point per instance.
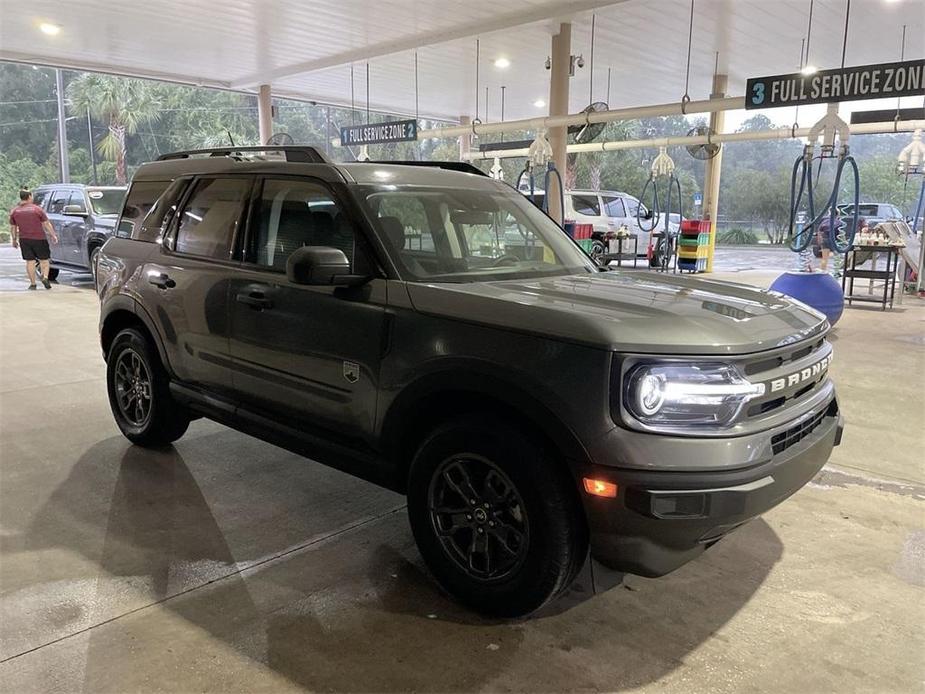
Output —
(305, 50)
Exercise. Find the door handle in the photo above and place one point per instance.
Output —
(255, 299)
(162, 280)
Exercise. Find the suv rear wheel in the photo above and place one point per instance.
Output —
(494, 518)
(139, 395)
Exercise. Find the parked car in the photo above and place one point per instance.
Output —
(607, 211)
(534, 408)
(83, 218)
(872, 213)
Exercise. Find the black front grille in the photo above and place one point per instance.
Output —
(785, 439)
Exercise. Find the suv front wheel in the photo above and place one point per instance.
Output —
(139, 395)
(494, 518)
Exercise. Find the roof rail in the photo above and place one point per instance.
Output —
(294, 153)
(462, 166)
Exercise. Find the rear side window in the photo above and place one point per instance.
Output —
(613, 207)
(211, 216)
(39, 197)
(586, 204)
(162, 212)
(139, 201)
(58, 200)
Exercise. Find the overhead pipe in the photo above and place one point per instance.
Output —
(776, 134)
(671, 109)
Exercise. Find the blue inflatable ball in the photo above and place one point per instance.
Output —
(817, 289)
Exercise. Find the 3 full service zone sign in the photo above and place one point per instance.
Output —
(842, 84)
(394, 131)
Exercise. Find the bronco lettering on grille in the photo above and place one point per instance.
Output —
(799, 376)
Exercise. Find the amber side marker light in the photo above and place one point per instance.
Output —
(600, 488)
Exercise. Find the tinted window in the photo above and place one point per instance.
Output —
(39, 197)
(58, 200)
(162, 212)
(296, 213)
(613, 207)
(141, 197)
(586, 204)
(210, 217)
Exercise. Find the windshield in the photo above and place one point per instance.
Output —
(451, 235)
(106, 201)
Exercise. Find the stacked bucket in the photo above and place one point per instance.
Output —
(693, 245)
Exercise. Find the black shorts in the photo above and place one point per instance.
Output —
(34, 249)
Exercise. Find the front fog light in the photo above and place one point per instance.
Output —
(685, 395)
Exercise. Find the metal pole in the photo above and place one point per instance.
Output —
(713, 169)
(92, 152)
(264, 113)
(63, 164)
(561, 55)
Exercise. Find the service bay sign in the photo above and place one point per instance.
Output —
(376, 133)
(841, 84)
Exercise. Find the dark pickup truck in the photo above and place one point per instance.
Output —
(536, 409)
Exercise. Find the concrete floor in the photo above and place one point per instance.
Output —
(227, 564)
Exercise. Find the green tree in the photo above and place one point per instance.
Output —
(123, 104)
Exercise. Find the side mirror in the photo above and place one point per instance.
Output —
(321, 265)
(647, 215)
(75, 210)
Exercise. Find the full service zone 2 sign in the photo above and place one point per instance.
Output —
(376, 133)
(841, 84)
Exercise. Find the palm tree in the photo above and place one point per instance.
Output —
(123, 104)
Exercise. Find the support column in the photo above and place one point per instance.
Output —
(465, 141)
(63, 164)
(264, 113)
(711, 178)
(561, 57)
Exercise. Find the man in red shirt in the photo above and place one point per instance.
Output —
(30, 231)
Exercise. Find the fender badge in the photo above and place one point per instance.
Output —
(351, 372)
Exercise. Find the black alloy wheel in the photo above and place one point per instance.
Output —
(479, 517)
(133, 388)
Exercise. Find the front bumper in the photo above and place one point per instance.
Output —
(663, 519)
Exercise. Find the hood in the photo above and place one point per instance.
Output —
(630, 312)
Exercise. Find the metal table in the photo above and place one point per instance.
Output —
(887, 275)
(620, 256)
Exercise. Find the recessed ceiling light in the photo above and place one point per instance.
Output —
(50, 29)
(810, 70)
(502, 63)
(539, 103)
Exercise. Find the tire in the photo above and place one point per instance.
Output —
(597, 250)
(53, 274)
(536, 531)
(139, 393)
(93, 257)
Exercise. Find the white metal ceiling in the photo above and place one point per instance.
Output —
(238, 43)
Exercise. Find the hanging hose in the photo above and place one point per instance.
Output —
(653, 210)
(838, 240)
(528, 172)
(551, 169)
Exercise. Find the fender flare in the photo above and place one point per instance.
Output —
(124, 303)
(479, 378)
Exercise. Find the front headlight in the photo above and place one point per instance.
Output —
(688, 395)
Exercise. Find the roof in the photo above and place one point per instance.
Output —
(306, 50)
(367, 173)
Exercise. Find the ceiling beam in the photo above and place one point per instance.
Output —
(120, 70)
(559, 9)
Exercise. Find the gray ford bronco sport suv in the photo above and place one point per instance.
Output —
(427, 328)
